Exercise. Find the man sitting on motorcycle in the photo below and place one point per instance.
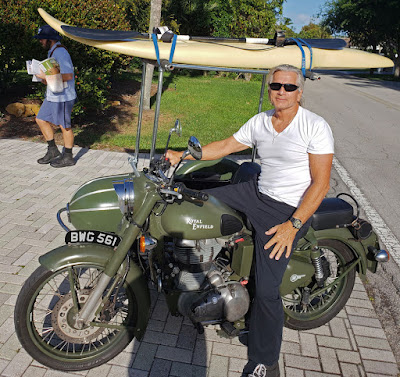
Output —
(295, 147)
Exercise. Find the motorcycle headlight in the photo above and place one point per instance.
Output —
(126, 195)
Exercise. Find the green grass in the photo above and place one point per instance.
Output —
(210, 108)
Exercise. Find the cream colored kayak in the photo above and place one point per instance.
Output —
(233, 54)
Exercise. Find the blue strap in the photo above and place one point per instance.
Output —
(303, 56)
(155, 42)
(171, 54)
(309, 47)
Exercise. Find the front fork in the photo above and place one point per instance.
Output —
(129, 236)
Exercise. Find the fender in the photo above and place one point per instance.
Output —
(81, 254)
(359, 248)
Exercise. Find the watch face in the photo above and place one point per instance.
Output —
(296, 223)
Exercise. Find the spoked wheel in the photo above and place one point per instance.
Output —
(45, 315)
(305, 310)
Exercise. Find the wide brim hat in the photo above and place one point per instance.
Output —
(47, 32)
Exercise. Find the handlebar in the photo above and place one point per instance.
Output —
(194, 194)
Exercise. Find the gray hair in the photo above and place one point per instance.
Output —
(288, 68)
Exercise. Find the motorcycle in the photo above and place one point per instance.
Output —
(90, 297)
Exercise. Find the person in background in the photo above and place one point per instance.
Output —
(57, 107)
(296, 148)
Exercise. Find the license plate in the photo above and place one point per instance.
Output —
(92, 236)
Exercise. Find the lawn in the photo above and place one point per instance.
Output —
(208, 107)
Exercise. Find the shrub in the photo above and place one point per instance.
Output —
(92, 89)
(20, 21)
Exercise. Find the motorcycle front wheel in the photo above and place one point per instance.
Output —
(306, 311)
(45, 314)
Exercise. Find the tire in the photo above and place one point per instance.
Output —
(322, 308)
(44, 319)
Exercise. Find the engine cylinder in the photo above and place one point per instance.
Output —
(194, 259)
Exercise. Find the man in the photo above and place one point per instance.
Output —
(57, 107)
(295, 147)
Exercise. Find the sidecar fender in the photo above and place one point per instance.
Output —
(84, 254)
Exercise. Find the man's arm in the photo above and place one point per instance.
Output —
(320, 168)
(67, 76)
(212, 151)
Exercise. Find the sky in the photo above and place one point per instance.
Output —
(301, 12)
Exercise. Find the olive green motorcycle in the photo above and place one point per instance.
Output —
(90, 297)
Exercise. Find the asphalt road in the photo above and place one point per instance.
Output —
(365, 119)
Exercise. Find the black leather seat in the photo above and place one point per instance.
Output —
(332, 213)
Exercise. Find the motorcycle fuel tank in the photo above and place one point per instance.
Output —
(194, 220)
(95, 206)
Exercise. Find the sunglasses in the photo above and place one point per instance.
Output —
(288, 87)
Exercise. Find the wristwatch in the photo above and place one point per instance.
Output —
(297, 224)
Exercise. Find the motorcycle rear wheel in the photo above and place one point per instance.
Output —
(322, 308)
(44, 319)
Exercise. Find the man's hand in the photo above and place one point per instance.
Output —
(283, 239)
(173, 156)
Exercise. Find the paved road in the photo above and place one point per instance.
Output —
(364, 116)
(352, 344)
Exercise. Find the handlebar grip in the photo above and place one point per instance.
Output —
(195, 194)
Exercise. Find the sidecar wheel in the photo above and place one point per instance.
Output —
(44, 319)
(322, 308)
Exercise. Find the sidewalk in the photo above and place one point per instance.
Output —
(352, 344)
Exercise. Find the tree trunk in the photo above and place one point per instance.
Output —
(155, 19)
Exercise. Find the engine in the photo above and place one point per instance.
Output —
(207, 294)
(194, 259)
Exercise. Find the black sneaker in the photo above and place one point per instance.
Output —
(64, 160)
(51, 155)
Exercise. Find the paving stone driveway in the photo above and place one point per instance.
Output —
(352, 344)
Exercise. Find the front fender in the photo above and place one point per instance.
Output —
(98, 255)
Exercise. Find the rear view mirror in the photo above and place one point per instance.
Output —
(194, 149)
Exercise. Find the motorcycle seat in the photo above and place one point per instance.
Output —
(332, 213)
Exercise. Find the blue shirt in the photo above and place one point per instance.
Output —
(64, 60)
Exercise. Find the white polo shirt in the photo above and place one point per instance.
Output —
(285, 170)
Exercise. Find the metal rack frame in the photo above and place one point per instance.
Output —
(165, 66)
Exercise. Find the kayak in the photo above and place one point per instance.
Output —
(217, 53)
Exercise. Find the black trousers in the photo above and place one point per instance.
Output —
(267, 317)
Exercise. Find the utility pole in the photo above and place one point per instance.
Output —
(155, 19)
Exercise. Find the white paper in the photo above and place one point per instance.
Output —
(33, 67)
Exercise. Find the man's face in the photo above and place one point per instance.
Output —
(282, 99)
(46, 43)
